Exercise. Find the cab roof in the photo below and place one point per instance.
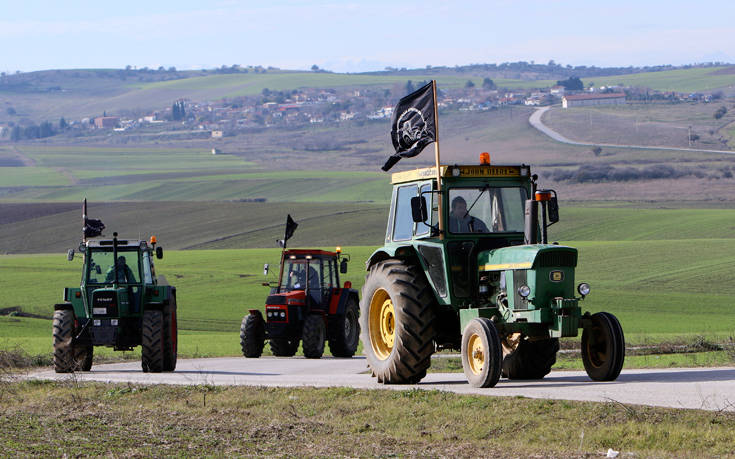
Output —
(298, 252)
(460, 171)
(107, 243)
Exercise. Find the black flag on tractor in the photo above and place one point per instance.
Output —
(413, 125)
(93, 227)
(290, 228)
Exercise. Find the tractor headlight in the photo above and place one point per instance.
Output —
(283, 315)
(270, 314)
(583, 289)
(524, 291)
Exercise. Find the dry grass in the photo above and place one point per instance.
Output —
(73, 419)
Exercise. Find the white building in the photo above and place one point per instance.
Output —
(583, 100)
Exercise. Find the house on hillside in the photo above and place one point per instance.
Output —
(102, 122)
(583, 100)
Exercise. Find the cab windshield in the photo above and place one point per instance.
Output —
(486, 210)
(101, 267)
(295, 274)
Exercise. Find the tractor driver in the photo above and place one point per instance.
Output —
(124, 273)
(299, 278)
(462, 222)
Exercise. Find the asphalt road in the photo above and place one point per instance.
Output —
(535, 121)
(699, 388)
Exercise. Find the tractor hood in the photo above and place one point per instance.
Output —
(527, 257)
(294, 297)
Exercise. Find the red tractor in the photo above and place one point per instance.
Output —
(308, 305)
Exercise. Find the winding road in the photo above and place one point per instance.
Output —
(699, 388)
(535, 121)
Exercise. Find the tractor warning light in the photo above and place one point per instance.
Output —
(338, 249)
(485, 158)
(543, 195)
(153, 240)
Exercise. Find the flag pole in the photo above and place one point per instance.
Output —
(438, 167)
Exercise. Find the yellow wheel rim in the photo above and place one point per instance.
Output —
(476, 351)
(382, 324)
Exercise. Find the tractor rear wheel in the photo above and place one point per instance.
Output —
(529, 359)
(603, 347)
(68, 357)
(397, 322)
(284, 347)
(345, 332)
(152, 342)
(313, 336)
(252, 335)
(481, 353)
(170, 336)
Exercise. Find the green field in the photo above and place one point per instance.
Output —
(661, 290)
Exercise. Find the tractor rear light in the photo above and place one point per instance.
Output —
(485, 158)
(155, 292)
(524, 291)
(77, 294)
(583, 289)
(348, 284)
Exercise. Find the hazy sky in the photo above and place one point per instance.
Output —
(354, 36)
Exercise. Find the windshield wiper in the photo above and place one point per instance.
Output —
(484, 189)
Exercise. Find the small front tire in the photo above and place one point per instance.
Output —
(314, 336)
(252, 335)
(603, 347)
(481, 353)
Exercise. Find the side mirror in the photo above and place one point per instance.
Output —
(265, 269)
(343, 267)
(553, 210)
(159, 252)
(70, 255)
(419, 210)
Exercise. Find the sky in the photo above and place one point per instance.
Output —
(358, 36)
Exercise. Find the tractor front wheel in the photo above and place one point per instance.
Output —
(345, 332)
(603, 347)
(68, 357)
(284, 347)
(527, 359)
(397, 322)
(314, 336)
(481, 353)
(252, 335)
(152, 342)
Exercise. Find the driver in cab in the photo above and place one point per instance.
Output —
(460, 221)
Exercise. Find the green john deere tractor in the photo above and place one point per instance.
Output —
(121, 303)
(466, 265)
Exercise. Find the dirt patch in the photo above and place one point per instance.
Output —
(17, 311)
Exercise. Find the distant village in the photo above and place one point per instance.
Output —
(314, 106)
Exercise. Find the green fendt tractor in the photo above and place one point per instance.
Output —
(466, 266)
(120, 304)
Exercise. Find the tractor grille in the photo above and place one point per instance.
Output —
(104, 304)
(520, 277)
(557, 259)
(276, 299)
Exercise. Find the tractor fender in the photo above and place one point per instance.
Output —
(344, 296)
(63, 307)
(393, 251)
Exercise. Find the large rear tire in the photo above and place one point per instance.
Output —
(170, 336)
(481, 353)
(284, 347)
(603, 347)
(314, 336)
(68, 356)
(252, 335)
(345, 331)
(397, 322)
(529, 359)
(152, 342)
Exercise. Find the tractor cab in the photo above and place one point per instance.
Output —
(308, 305)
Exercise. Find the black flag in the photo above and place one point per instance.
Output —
(290, 228)
(93, 227)
(413, 125)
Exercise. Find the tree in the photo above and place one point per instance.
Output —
(469, 84)
(10, 111)
(488, 84)
(314, 68)
(720, 112)
(572, 84)
(409, 87)
(178, 111)
(16, 134)
(63, 124)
